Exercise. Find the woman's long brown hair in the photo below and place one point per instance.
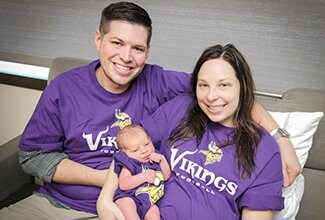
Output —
(247, 133)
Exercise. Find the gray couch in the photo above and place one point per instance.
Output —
(15, 184)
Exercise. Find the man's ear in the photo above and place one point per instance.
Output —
(148, 52)
(97, 39)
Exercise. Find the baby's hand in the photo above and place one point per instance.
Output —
(155, 158)
(150, 176)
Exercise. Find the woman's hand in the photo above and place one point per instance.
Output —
(106, 208)
(291, 167)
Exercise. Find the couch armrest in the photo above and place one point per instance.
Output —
(12, 177)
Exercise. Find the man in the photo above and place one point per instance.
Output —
(70, 139)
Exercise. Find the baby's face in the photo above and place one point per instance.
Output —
(139, 146)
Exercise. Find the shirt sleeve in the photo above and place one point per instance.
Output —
(265, 193)
(44, 131)
(42, 140)
(41, 165)
(163, 121)
(167, 84)
(118, 164)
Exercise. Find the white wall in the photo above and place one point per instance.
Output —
(17, 105)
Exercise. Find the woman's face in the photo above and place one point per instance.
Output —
(217, 91)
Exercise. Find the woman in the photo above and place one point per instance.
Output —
(224, 166)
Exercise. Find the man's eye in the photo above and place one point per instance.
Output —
(139, 49)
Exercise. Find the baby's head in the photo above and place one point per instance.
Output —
(134, 141)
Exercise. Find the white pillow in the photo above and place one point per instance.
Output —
(301, 126)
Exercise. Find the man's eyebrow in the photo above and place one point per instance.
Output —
(116, 38)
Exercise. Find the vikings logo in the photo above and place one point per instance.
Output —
(123, 119)
(154, 192)
(214, 154)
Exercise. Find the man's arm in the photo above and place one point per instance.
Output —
(57, 167)
(39, 164)
(291, 167)
(70, 172)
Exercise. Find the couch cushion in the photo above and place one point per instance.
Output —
(313, 200)
(63, 64)
(301, 126)
(9, 165)
(303, 100)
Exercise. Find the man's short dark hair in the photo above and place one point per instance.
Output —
(125, 11)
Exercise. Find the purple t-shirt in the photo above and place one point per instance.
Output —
(146, 194)
(77, 116)
(205, 181)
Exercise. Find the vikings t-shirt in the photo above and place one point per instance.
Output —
(77, 116)
(146, 194)
(205, 182)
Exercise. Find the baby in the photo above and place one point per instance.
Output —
(141, 174)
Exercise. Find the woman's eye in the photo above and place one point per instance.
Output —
(224, 84)
(202, 85)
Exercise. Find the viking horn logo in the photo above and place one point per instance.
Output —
(154, 192)
(123, 119)
(214, 154)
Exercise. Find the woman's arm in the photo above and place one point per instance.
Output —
(256, 214)
(106, 208)
(291, 167)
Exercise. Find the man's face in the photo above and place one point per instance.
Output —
(123, 51)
